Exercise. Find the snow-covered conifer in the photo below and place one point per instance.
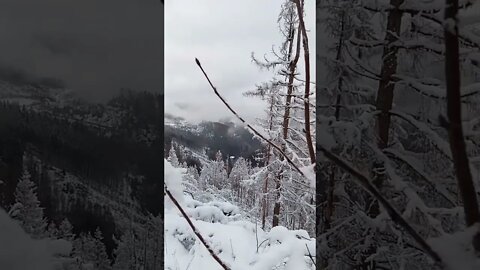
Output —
(27, 207)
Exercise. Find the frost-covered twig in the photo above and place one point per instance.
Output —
(248, 125)
(195, 230)
(394, 215)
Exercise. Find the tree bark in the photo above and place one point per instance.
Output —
(385, 91)
(276, 207)
(265, 185)
(454, 112)
(306, 100)
(286, 115)
(384, 105)
(389, 67)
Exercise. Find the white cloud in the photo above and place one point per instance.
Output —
(222, 35)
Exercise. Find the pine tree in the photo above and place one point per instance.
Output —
(214, 173)
(84, 248)
(218, 156)
(240, 172)
(193, 171)
(27, 207)
(101, 260)
(65, 231)
(124, 253)
(172, 157)
(52, 231)
(90, 250)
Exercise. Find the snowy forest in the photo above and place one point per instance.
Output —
(257, 211)
(353, 144)
(397, 122)
(66, 203)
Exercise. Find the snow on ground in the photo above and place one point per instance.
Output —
(240, 243)
(18, 251)
(456, 250)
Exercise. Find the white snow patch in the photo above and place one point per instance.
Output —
(240, 244)
(456, 250)
(173, 181)
(18, 251)
(470, 16)
(309, 172)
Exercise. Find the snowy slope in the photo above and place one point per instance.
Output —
(240, 243)
(18, 251)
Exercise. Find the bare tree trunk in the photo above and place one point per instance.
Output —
(276, 207)
(264, 202)
(384, 105)
(291, 77)
(454, 112)
(331, 185)
(306, 53)
(330, 194)
(269, 153)
(386, 86)
(286, 116)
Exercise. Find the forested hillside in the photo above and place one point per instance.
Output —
(86, 173)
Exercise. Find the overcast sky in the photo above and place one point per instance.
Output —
(222, 35)
(94, 47)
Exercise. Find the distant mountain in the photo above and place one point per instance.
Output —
(96, 164)
(230, 138)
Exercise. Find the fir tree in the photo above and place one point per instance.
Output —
(52, 231)
(65, 230)
(101, 260)
(124, 253)
(240, 172)
(214, 173)
(27, 207)
(193, 171)
(84, 248)
(172, 157)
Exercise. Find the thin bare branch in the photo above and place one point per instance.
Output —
(248, 125)
(195, 230)
(306, 55)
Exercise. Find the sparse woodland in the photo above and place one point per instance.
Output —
(277, 195)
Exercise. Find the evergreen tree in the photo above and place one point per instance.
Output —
(240, 172)
(193, 171)
(65, 231)
(90, 250)
(218, 156)
(52, 231)
(84, 248)
(172, 157)
(27, 207)
(101, 260)
(124, 253)
(214, 173)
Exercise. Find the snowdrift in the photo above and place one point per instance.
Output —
(240, 243)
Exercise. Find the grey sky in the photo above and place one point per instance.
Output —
(94, 47)
(221, 34)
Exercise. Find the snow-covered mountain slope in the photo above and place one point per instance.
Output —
(35, 95)
(240, 243)
(18, 251)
